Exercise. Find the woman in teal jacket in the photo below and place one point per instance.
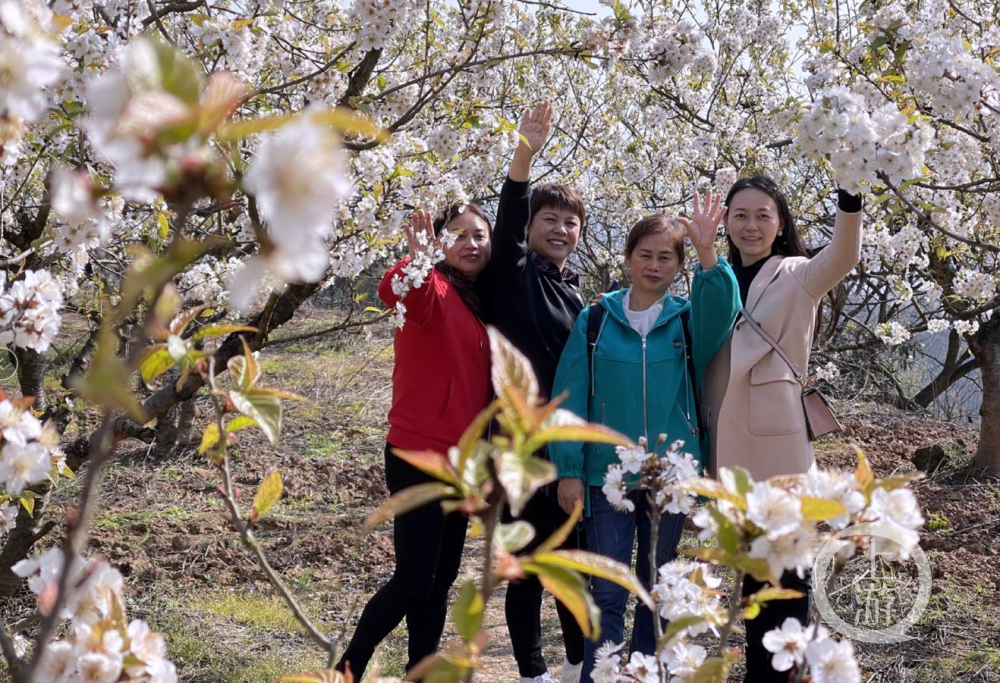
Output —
(639, 382)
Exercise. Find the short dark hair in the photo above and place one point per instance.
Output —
(657, 224)
(445, 217)
(558, 196)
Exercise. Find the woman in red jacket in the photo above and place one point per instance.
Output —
(439, 384)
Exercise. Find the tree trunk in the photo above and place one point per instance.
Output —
(955, 366)
(31, 375)
(985, 346)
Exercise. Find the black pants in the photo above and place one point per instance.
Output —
(428, 547)
(523, 606)
(772, 616)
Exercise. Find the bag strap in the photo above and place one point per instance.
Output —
(594, 319)
(689, 357)
(774, 345)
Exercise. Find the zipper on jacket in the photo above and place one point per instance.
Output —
(645, 419)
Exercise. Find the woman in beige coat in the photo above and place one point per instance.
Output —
(752, 399)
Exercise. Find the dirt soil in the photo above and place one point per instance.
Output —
(162, 523)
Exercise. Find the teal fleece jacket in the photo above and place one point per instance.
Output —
(641, 387)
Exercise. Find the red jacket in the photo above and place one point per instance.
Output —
(441, 379)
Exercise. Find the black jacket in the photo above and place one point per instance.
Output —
(524, 295)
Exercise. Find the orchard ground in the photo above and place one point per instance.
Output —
(162, 523)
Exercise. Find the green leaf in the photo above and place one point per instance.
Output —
(237, 130)
(514, 536)
(562, 533)
(317, 676)
(591, 433)
(408, 499)
(268, 493)
(209, 438)
(821, 509)
(244, 368)
(570, 589)
(521, 476)
(712, 670)
(676, 626)
(220, 331)
(179, 75)
(770, 593)
(155, 361)
(351, 122)
(524, 141)
(468, 611)
(726, 532)
(596, 565)
(240, 422)
(262, 407)
(474, 432)
(27, 500)
(710, 488)
(149, 273)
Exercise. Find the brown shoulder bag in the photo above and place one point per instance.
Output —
(820, 419)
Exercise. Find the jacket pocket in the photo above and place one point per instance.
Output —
(775, 400)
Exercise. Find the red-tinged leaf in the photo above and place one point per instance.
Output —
(429, 462)
(409, 499)
(222, 96)
(600, 566)
(281, 393)
(475, 431)
(521, 476)
(511, 369)
(182, 320)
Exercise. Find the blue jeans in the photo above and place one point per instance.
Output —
(612, 533)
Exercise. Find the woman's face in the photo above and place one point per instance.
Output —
(653, 264)
(753, 224)
(471, 251)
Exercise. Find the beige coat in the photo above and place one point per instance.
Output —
(751, 399)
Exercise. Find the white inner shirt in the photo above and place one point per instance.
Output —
(642, 321)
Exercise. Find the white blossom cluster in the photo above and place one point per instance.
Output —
(30, 452)
(416, 272)
(861, 143)
(85, 216)
(892, 333)
(29, 310)
(677, 48)
(102, 646)
(660, 475)
(31, 63)
(975, 285)
(828, 372)
(297, 181)
(377, 21)
(829, 660)
(954, 80)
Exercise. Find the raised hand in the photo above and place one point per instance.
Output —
(703, 227)
(422, 224)
(535, 126)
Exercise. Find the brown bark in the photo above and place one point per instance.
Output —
(31, 375)
(985, 345)
(956, 366)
